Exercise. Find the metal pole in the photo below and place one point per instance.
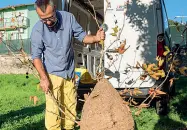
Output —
(186, 33)
(58, 4)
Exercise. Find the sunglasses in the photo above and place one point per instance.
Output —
(52, 18)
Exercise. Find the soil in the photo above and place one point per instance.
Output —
(104, 109)
(11, 65)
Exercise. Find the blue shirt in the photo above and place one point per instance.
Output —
(55, 47)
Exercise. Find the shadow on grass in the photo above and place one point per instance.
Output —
(178, 105)
(20, 114)
(33, 126)
(166, 123)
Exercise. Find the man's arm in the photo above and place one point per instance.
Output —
(88, 39)
(40, 68)
(37, 49)
(44, 81)
(79, 34)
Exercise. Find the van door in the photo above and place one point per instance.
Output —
(135, 25)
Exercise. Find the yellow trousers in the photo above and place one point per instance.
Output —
(65, 93)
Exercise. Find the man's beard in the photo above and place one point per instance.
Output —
(54, 27)
(53, 24)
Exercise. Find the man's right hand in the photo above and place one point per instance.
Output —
(45, 84)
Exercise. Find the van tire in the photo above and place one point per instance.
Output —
(173, 91)
(161, 106)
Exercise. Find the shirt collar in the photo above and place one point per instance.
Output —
(59, 17)
(59, 24)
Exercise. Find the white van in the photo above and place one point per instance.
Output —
(144, 28)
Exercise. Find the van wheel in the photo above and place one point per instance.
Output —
(172, 92)
(161, 106)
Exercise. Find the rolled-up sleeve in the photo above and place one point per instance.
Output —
(78, 31)
(36, 44)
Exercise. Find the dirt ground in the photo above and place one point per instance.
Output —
(11, 65)
(104, 110)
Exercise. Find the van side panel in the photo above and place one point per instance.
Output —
(139, 28)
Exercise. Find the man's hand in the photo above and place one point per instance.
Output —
(45, 84)
(100, 36)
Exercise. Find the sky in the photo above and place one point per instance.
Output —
(4, 3)
(174, 7)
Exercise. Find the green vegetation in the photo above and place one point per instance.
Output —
(18, 113)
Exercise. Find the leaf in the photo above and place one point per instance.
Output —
(113, 34)
(125, 91)
(135, 103)
(121, 49)
(115, 29)
(166, 53)
(34, 99)
(143, 105)
(126, 103)
(144, 66)
(170, 57)
(109, 77)
(137, 113)
(172, 68)
(154, 95)
(154, 77)
(160, 61)
(136, 91)
(31, 97)
(160, 73)
(143, 77)
(86, 96)
(176, 62)
(157, 58)
(171, 81)
(149, 69)
(121, 93)
(155, 68)
(131, 92)
(167, 50)
(138, 65)
(182, 70)
(151, 89)
(159, 92)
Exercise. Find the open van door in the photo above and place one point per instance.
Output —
(131, 24)
(137, 33)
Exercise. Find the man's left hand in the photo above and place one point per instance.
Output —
(100, 35)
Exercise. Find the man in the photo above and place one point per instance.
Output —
(53, 57)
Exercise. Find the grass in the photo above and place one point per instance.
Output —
(16, 110)
(176, 118)
(18, 113)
